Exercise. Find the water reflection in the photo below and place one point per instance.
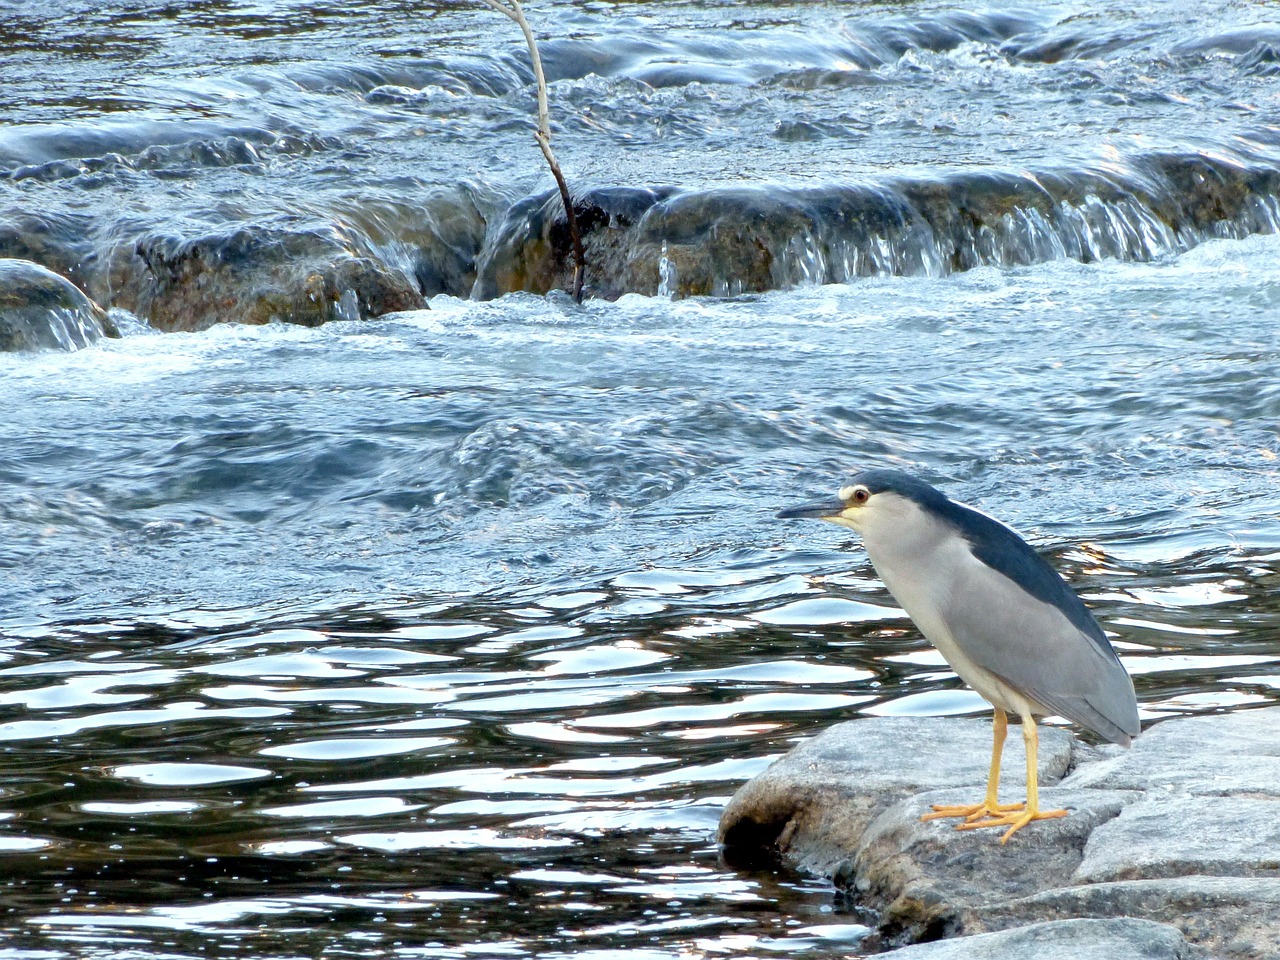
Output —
(550, 760)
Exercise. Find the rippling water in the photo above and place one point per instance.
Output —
(453, 631)
(448, 633)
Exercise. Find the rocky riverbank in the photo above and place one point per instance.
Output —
(1172, 848)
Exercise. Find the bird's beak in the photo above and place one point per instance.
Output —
(821, 510)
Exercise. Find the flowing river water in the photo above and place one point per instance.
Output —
(446, 630)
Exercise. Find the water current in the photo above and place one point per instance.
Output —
(448, 632)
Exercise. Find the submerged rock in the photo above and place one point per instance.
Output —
(41, 310)
(255, 273)
(359, 258)
(531, 249)
(61, 242)
(1181, 829)
(725, 241)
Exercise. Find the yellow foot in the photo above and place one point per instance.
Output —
(971, 811)
(1014, 821)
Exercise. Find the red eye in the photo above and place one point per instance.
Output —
(861, 495)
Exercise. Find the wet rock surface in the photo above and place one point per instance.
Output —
(725, 241)
(41, 310)
(531, 248)
(365, 259)
(302, 275)
(1153, 833)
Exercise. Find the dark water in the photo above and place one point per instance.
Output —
(448, 633)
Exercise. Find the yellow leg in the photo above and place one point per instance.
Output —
(989, 807)
(1014, 820)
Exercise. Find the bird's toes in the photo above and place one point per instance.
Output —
(971, 812)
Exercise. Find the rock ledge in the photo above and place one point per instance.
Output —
(1172, 848)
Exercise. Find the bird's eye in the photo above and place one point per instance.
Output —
(861, 495)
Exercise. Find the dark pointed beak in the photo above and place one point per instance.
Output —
(819, 510)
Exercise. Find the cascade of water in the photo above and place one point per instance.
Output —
(831, 246)
(666, 275)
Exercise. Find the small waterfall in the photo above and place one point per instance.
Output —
(738, 240)
(666, 275)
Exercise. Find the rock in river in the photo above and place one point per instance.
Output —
(1180, 830)
(41, 310)
(307, 274)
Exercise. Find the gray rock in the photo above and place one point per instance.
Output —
(812, 806)
(1063, 940)
(41, 310)
(1183, 836)
(927, 879)
(1236, 917)
(1213, 756)
(1181, 829)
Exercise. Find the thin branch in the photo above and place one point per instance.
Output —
(513, 10)
(579, 255)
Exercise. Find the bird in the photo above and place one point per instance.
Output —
(1001, 616)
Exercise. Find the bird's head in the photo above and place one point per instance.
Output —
(872, 501)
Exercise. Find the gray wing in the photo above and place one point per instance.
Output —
(1040, 649)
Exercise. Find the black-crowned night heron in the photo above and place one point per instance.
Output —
(1000, 615)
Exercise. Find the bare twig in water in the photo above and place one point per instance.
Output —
(512, 9)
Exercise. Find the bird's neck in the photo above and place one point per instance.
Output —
(912, 560)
